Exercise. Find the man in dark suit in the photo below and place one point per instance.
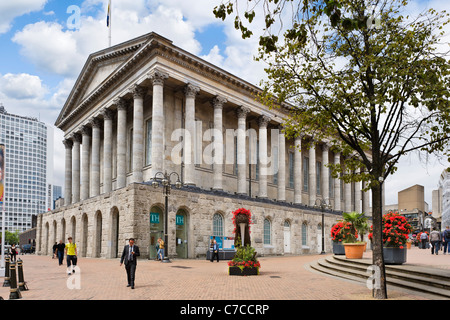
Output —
(129, 256)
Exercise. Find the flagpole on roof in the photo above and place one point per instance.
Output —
(108, 22)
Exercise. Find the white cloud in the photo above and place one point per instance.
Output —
(12, 9)
(22, 86)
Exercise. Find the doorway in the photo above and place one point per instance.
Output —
(181, 224)
(287, 237)
(156, 230)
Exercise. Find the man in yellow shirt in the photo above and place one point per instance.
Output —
(71, 252)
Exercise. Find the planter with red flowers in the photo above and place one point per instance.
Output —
(337, 238)
(244, 262)
(396, 230)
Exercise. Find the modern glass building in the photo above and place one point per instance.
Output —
(27, 169)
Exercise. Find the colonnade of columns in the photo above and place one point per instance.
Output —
(83, 151)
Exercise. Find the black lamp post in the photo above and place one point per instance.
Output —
(165, 181)
(320, 203)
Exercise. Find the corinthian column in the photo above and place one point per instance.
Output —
(337, 184)
(281, 166)
(68, 172)
(95, 166)
(241, 154)
(76, 138)
(121, 180)
(157, 77)
(107, 150)
(218, 103)
(191, 92)
(325, 174)
(298, 170)
(85, 174)
(312, 174)
(263, 121)
(138, 133)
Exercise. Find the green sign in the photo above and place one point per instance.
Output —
(179, 220)
(154, 217)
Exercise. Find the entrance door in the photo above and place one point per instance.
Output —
(156, 230)
(287, 237)
(181, 234)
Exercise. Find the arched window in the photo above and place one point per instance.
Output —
(304, 234)
(218, 229)
(267, 231)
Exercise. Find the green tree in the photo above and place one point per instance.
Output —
(363, 76)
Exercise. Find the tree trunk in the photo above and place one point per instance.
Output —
(379, 288)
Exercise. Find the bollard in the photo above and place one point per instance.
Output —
(6, 283)
(14, 292)
(22, 283)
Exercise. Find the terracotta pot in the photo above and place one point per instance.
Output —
(408, 245)
(354, 250)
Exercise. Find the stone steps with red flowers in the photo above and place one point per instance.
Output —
(431, 281)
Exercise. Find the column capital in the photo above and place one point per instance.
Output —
(191, 90)
(263, 121)
(107, 114)
(325, 147)
(85, 130)
(75, 137)
(95, 123)
(68, 143)
(157, 77)
(242, 112)
(138, 91)
(218, 102)
(121, 104)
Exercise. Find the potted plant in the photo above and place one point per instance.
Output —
(396, 230)
(244, 262)
(354, 223)
(337, 238)
(354, 249)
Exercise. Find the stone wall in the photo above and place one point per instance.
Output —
(92, 222)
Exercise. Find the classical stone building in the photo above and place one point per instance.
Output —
(146, 107)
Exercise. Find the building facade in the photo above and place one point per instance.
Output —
(145, 107)
(441, 199)
(27, 169)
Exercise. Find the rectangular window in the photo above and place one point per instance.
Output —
(305, 173)
(318, 177)
(291, 170)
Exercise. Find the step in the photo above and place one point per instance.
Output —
(357, 271)
(435, 277)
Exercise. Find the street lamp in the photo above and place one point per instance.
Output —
(165, 181)
(320, 203)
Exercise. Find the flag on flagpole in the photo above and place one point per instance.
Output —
(108, 17)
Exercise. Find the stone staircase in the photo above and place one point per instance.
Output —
(433, 282)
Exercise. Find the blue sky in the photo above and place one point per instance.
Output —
(41, 57)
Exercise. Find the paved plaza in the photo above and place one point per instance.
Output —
(281, 278)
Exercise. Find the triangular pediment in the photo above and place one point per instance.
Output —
(98, 69)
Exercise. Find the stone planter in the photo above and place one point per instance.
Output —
(338, 248)
(354, 250)
(394, 255)
(236, 271)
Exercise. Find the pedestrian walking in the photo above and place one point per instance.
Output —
(13, 252)
(161, 249)
(424, 239)
(60, 251)
(129, 257)
(435, 239)
(71, 253)
(214, 249)
(157, 250)
(446, 239)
